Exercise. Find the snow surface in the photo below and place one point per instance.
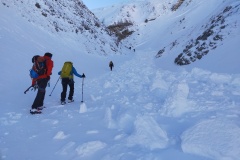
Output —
(140, 110)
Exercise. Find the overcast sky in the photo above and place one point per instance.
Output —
(91, 4)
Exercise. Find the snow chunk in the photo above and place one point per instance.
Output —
(216, 139)
(92, 132)
(159, 82)
(108, 118)
(177, 103)
(67, 148)
(236, 81)
(148, 134)
(90, 148)
(219, 78)
(107, 85)
(60, 135)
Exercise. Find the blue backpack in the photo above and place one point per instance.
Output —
(39, 66)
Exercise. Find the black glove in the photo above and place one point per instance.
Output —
(83, 75)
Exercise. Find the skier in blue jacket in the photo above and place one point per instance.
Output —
(69, 81)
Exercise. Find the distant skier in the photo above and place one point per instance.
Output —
(111, 65)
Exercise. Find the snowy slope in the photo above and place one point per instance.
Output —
(134, 11)
(185, 36)
(140, 110)
(71, 20)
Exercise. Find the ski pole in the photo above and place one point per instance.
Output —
(54, 86)
(27, 89)
(82, 89)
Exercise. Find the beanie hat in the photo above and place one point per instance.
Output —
(48, 54)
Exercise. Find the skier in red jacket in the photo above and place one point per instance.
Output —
(41, 82)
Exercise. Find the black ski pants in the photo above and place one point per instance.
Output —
(42, 84)
(65, 83)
